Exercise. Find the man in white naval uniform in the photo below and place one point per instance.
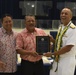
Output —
(65, 44)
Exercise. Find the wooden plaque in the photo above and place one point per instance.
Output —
(42, 44)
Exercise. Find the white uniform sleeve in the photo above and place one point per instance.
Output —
(70, 38)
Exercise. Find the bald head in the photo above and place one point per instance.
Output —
(68, 10)
(66, 16)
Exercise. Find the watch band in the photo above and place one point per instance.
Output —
(52, 55)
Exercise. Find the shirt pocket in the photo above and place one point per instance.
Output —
(64, 40)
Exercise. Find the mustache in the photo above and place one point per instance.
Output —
(31, 25)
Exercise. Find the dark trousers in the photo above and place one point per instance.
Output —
(31, 68)
(7, 73)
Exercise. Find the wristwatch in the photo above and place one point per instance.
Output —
(52, 55)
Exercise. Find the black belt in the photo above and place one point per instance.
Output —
(32, 62)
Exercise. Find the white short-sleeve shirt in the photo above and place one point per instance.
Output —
(69, 38)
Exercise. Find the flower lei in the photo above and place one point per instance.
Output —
(58, 42)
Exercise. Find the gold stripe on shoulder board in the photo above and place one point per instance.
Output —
(72, 26)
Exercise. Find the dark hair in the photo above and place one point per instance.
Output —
(5, 16)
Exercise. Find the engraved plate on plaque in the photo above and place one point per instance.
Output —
(42, 44)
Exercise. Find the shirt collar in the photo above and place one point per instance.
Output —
(28, 31)
(5, 32)
(67, 24)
